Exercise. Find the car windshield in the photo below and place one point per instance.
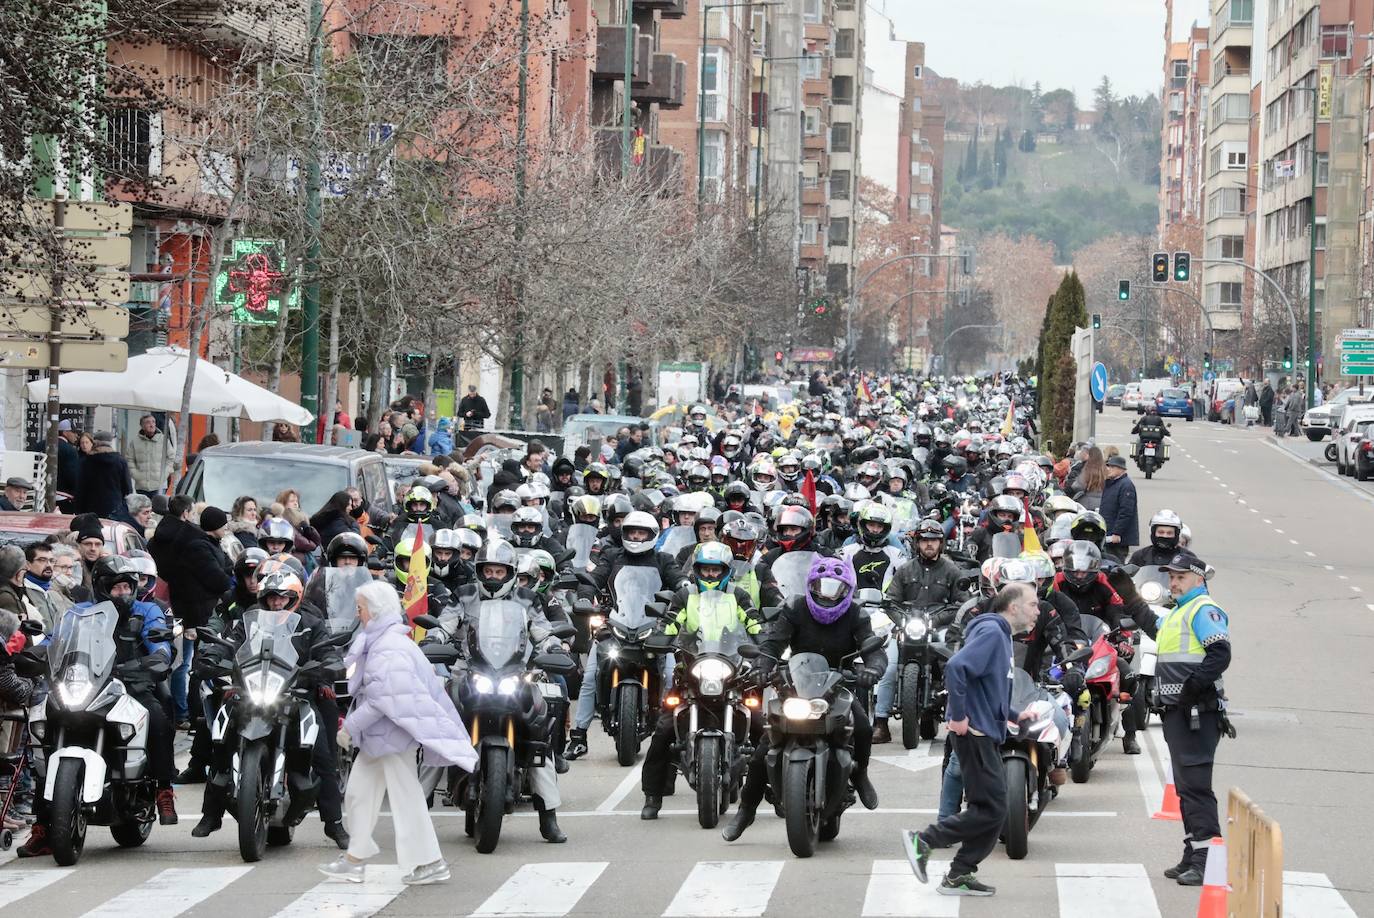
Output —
(224, 478)
(1175, 393)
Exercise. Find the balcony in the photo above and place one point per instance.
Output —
(669, 9)
(644, 56)
(610, 53)
(813, 142)
(224, 22)
(813, 194)
(663, 167)
(816, 87)
(666, 81)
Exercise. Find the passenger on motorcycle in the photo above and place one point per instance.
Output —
(1004, 516)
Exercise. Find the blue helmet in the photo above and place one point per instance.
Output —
(716, 554)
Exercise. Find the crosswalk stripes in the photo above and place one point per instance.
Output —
(1091, 890)
(548, 890)
(17, 884)
(381, 884)
(729, 889)
(894, 892)
(1311, 895)
(170, 892)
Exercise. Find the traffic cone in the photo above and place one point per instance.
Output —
(1214, 885)
(1169, 808)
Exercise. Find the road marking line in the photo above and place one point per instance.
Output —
(1279, 531)
(1268, 522)
(894, 892)
(381, 883)
(170, 892)
(1369, 606)
(1357, 589)
(550, 890)
(1293, 541)
(622, 790)
(1240, 500)
(725, 888)
(851, 813)
(1120, 890)
(1329, 567)
(1342, 577)
(1253, 510)
(1361, 493)
(16, 884)
(1311, 895)
(1147, 775)
(1310, 554)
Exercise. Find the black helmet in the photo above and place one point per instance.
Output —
(928, 529)
(247, 564)
(736, 492)
(956, 466)
(112, 570)
(500, 552)
(348, 544)
(1082, 560)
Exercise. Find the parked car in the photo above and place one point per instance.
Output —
(264, 469)
(22, 528)
(1321, 420)
(1174, 403)
(1130, 398)
(1363, 452)
(1353, 425)
(1114, 394)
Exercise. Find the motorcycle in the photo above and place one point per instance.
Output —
(921, 657)
(629, 687)
(1033, 747)
(266, 717)
(509, 706)
(1096, 724)
(1153, 586)
(1150, 454)
(809, 758)
(712, 706)
(94, 733)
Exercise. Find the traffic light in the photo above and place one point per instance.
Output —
(1288, 358)
(1097, 320)
(1123, 291)
(777, 356)
(1183, 265)
(1206, 360)
(1160, 267)
(819, 306)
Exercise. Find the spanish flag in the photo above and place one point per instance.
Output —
(1011, 418)
(415, 599)
(865, 393)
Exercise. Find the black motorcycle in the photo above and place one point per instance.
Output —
(921, 657)
(1150, 454)
(628, 683)
(810, 758)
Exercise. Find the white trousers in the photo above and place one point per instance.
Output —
(392, 777)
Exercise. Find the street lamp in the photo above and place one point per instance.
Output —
(701, 86)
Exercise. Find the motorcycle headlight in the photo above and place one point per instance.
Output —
(596, 621)
(804, 708)
(1098, 668)
(126, 732)
(265, 688)
(482, 684)
(644, 633)
(76, 687)
(507, 685)
(612, 650)
(712, 669)
(916, 628)
(620, 632)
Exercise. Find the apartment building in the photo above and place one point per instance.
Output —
(1311, 157)
(1229, 172)
(1186, 97)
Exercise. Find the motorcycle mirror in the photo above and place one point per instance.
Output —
(31, 626)
(1079, 655)
(556, 663)
(749, 651)
(343, 638)
(770, 612)
(659, 642)
(565, 583)
(426, 621)
(873, 643)
(869, 597)
(1126, 624)
(374, 540)
(158, 635)
(664, 595)
(443, 654)
(1130, 569)
(564, 556)
(564, 630)
(310, 667)
(212, 638)
(584, 607)
(31, 662)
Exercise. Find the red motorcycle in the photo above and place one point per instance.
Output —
(1097, 719)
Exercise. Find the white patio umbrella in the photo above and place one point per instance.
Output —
(153, 382)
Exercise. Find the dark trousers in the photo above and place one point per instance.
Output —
(756, 779)
(660, 766)
(1193, 753)
(978, 825)
(161, 757)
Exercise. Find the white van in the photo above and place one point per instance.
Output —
(1149, 388)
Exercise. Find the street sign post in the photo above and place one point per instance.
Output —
(77, 354)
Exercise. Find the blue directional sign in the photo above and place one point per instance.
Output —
(1098, 381)
(1175, 369)
(1209, 376)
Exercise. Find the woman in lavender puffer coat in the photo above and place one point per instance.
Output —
(399, 704)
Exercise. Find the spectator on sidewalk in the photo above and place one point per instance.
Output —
(1266, 404)
(105, 479)
(1119, 510)
(149, 454)
(1295, 407)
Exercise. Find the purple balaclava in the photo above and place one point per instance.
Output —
(837, 583)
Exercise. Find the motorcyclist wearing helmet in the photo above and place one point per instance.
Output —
(638, 537)
(1166, 526)
(872, 554)
(737, 496)
(280, 589)
(1150, 425)
(596, 479)
(958, 478)
(527, 531)
(417, 509)
(436, 590)
(827, 621)
(116, 580)
(712, 567)
(447, 564)
(742, 538)
(836, 515)
(614, 509)
(1004, 516)
(794, 529)
(705, 528)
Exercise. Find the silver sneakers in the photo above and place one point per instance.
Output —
(436, 872)
(341, 868)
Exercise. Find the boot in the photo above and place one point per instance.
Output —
(868, 794)
(560, 763)
(881, 733)
(1190, 877)
(1129, 745)
(548, 824)
(191, 774)
(37, 845)
(577, 745)
(652, 803)
(744, 818)
(336, 832)
(209, 823)
(1174, 872)
(166, 807)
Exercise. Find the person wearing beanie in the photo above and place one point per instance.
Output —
(12, 580)
(213, 520)
(104, 479)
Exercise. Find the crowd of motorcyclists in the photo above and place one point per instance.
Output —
(711, 593)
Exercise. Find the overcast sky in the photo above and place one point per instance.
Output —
(1069, 43)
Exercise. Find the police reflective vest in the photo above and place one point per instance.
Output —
(1180, 651)
(747, 581)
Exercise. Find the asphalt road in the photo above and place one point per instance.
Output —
(1299, 593)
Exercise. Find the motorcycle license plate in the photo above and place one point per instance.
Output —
(550, 690)
(1149, 450)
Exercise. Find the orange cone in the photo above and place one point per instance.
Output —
(1214, 885)
(1169, 808)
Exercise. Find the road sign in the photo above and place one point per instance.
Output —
(77, 321)
(1357, 346)
(1349, 333)
(1175, 369)
(1209, 376)
(31, 284)
(26, 353)
(1097, 382)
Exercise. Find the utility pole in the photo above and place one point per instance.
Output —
(626, 120)
(310, 301)
(59, 220)
(1312, 266)
(517, 369)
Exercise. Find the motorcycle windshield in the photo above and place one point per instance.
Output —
(269, 631)
(501, 627)
(811, 675)
(407, 536)
(1024, 690)
(1006, 545)
(790, 572)
(581, 538)
(677, 538)
(634, 588)
(499, 523)
(83, 649)
(905, 515)
(340, 593)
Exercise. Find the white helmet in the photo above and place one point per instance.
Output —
(638, 519)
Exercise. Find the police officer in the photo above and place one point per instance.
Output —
(1194, 650)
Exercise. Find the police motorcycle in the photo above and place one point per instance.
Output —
(266, 717)
(93, 731)
(504, 695)
(809, 719)
(1033, 748)
(712, 706)
(1153, 586)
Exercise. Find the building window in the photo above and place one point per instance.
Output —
(916, 71)
(844, 42)
(1235, 159)
(1321, 235)
(921, 204)
(811, 10)
(133, 143)
(839, 185)
(810, 231)
(713, 155)
(1233, 247)
(1230, 293)
(1241, 12)
(841, 137)
(839, 231)
(1180, 70)
(1336, 41)
(1233, 106)
(811, 121)
(716, 78)
(844, 4)
(842, 90)
(927, 175)
(1323, 168)
(1226, 202)
(758, 30)
(916, 104)
(811, 67)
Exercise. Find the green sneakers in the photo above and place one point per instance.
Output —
(966, 885)
(917, 853)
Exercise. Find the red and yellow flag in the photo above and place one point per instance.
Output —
(1008, 425)
(415, 599)
(865, 393)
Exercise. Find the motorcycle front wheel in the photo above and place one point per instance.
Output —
(708, 781)
(801, 808)
(1082, 767)
(67, 834)
(491, 799)
(253, 801)
(1018, 808)
(912, 714)
(627, 723)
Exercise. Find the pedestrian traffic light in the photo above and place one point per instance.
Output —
(1288, 358)
(1097, 320)
(1183, 265)
(1123, 291)
(1160, 267)
(1207, 360)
